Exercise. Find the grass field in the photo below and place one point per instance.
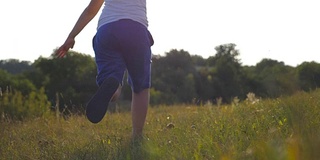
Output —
(287, 128)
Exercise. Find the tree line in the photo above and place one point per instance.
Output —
(177, 77)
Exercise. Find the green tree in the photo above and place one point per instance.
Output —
(173, 77)
(198, 61)
(16, 106)
(227, 75)
(15, 66)
(309, 75)
(72, 76)
(275, 78)
(16, 82)
(205, 84)
(251, 82)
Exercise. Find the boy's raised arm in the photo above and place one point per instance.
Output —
(87, 15)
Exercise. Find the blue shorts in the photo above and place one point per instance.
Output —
(124, 45)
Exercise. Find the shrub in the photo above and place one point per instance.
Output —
(14, 105)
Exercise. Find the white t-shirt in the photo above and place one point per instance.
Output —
(124, 9)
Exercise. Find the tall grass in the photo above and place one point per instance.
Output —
(284, 128)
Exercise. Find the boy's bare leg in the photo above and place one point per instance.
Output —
(139, 108)
(116, 95)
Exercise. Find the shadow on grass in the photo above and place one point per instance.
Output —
(114, 148)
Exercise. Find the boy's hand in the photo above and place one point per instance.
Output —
(62, 51)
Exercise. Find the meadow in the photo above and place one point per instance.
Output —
(286, 128)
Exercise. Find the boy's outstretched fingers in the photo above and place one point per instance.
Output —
(59, 54)
(62, 51)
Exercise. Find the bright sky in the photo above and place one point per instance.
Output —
(283, 30)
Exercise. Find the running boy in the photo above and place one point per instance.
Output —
(122, 42)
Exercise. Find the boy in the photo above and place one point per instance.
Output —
(122, 42)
